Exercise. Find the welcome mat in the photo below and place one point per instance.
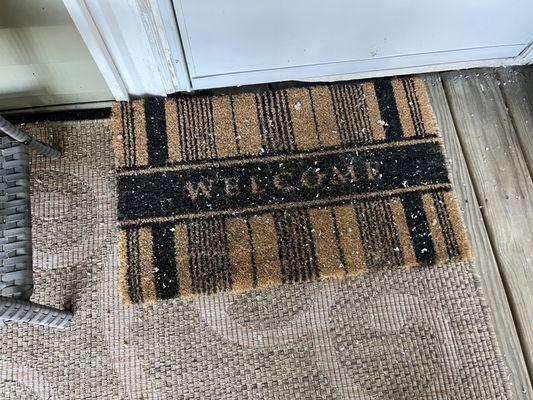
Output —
(228, 193)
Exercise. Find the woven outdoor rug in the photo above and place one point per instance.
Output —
(229, 193)
(421, 334)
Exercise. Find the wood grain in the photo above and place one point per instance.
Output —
(485, 264)
(504, 190)
(517, 87)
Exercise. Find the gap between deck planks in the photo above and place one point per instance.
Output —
(488, 248)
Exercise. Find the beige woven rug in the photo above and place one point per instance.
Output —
(420, 334)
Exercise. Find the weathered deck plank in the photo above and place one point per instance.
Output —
(485, 262)
(517, 87)
(502, 184)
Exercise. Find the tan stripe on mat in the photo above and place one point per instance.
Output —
(265, 248)
(248, 135)
(181, 248)
(350, 239)
(240, 253)
(326, 242)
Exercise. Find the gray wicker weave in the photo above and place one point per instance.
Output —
(20, 136)
(16, 273)
(23, 311)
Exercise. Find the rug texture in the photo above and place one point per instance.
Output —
(389, 335)
(229, 193)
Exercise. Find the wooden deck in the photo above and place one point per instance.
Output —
(486, 117)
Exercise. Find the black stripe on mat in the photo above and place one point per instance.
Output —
(154, 111)
(164, 261)
(452, 247)
(419, 229)
(208, 251)
(296, 247)
(388, 109)
(251, 244)
(173, 193)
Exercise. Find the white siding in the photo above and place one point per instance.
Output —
(43, 59)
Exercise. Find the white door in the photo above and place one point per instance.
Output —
(241, 41)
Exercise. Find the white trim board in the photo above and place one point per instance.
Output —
(373, 68)
(132, 36)
(178, 60)
(135, 42)
(161, 29)
(527, 54)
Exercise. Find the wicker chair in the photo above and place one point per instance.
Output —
(16, 272)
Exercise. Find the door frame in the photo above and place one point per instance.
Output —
(150, 62)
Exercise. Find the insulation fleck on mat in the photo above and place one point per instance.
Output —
(234, 192)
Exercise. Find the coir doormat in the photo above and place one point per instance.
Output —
(228, 193)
